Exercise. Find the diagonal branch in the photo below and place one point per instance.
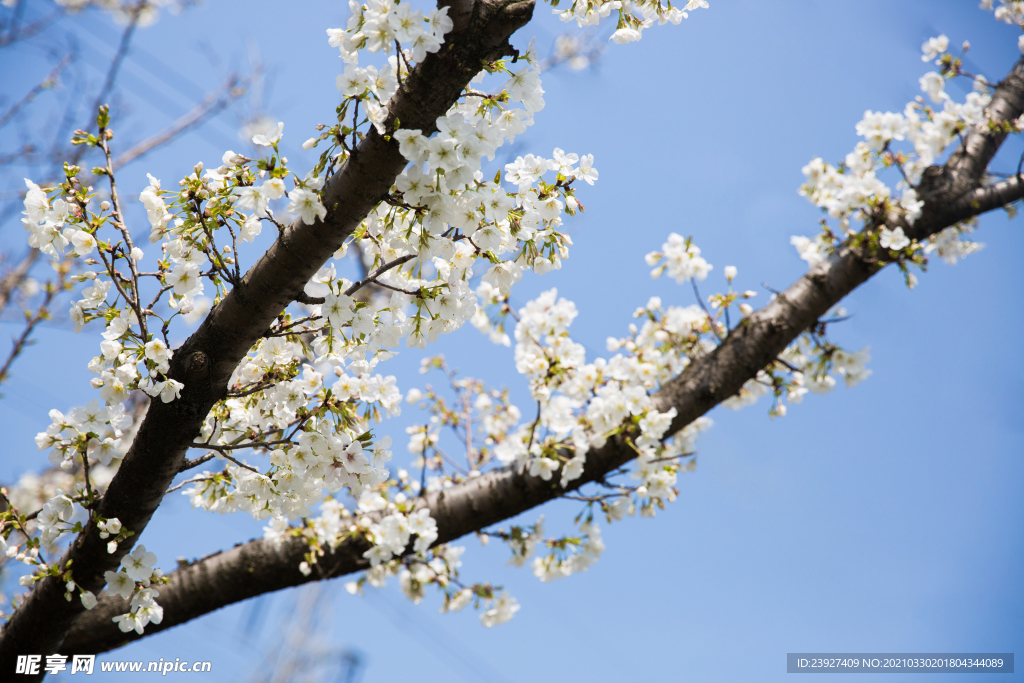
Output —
(204, 363)
(233, 88)
(260, 566)
(15, 277)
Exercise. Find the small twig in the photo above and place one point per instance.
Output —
(123, 229)
(380, 271)
(298, 425)
(216, 258)
(270, 217)
(594, 499)
(711, 320)
(256, 388)
(283, 329)
(240, 464)
(792, 368)
(236, 447)
(482, 95)
(271, 334)
(159, 294)
(533, 428)
(23, 340)
(187, 481)
(234, 252)
(398, 289)
(670, 458)
(196, 462)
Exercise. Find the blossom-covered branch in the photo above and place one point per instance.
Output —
(207, 360)
(477, 502)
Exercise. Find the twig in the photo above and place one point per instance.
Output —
(23, 340)
(187, 481)
(256, 388)
(237, 447)
(533, 428)
(240, 464)
(380, 271)
(793, 368)
(123, 229)
(711, 320)
(196, 462)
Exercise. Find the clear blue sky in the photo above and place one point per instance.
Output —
(885, 518)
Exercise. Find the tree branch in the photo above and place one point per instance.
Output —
(260, 566)
(204, 363)
(233, 88)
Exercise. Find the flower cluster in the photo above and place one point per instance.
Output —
(93, 429)
(1008, 11)
(853, 189)
(134, 582)
(568, 556)
(633, 17)
(680, 258)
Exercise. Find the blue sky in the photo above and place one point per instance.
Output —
(884, 518)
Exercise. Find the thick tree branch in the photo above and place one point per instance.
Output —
(206, 360)
(260, 566)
